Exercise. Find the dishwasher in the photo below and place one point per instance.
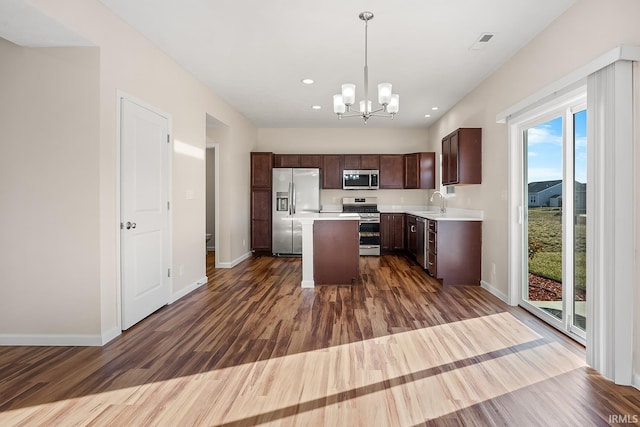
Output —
(422, 244)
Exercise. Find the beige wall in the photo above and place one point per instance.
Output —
(130, 63)
(49, 178)
(358, 140)
(587, 30)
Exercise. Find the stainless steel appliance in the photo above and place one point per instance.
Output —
(367, 208)
(360, 179)
(422, 242)
(295, 190)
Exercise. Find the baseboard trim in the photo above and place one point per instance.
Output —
(635, 383)
(185, 291)
(235, 261)
(494, 291)
(110, 335)
(82, 340)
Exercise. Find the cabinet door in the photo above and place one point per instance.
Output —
(411, 171)
(411, 233)
(427, 170)
(469, 156)
(310, 161)
(332, 172)
(391, 171)
(261, 219)
(453, 159)
(386, 231)
(370, 161)
(261, 165)
(286, 161)
(351, 161)
(398, 232)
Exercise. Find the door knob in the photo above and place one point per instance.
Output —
(131, 225)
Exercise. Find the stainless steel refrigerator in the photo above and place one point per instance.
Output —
(295, 190)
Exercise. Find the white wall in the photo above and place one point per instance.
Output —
(587, 30)
(49, 203)
(129, 62)
(359, 140)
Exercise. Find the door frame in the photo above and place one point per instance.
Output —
(516, 259)
(120, 95)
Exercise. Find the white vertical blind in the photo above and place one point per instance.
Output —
(610, 226)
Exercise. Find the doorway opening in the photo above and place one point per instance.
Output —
(216, 135)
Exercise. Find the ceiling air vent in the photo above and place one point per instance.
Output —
(482, 41)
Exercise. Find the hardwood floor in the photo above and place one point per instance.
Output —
(252, 347)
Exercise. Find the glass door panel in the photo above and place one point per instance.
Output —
(544, 178)
(555, 218)
(580, 219)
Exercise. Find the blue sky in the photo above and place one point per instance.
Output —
(545, 149)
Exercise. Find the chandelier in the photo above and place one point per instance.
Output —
(343, 104)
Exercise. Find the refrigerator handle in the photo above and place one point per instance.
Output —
(290, 200)
(293, 194)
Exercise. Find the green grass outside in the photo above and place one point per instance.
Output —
(545, 228)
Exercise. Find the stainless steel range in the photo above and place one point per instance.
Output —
(367, 208)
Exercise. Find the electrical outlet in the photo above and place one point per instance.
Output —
(244, 243)
(181, 270)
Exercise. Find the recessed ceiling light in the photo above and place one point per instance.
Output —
(434, 108)
(307, 81)
(316, 107)
(427, 115)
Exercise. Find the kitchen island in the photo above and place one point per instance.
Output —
(330, 247)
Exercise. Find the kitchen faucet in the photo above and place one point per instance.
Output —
(442, 199)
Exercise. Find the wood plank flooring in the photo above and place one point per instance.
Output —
(252, 348)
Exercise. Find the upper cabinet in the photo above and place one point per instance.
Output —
(332, 171)
(361, 161)
(462, 157)
(261, 165)
(391, 171)
(297, 161)
(420, 170)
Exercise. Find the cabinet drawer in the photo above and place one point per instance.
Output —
(431, 236)
(432, 265)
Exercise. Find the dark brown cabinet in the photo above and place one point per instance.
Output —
(420, 170)
(261, 219)
(261, 166)
(462, 157)
(332, 171)
(361, 161)
(411, 235)
(391, 171)
(286, 161)
(336, 252)
(455, 251)
(311, 161)
(392, 231)
(297, 161)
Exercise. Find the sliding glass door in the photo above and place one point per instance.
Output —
(554, 220)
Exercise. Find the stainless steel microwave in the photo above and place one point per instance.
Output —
(360, 179)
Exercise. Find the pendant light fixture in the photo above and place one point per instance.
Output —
(343, 103)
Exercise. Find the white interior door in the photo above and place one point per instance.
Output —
(144, 212)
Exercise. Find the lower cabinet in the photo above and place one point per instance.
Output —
(454, 254)
(411, 235)
(261, 219)
(392, 232)
(336, 252)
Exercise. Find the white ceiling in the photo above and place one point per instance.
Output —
(254, 53)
